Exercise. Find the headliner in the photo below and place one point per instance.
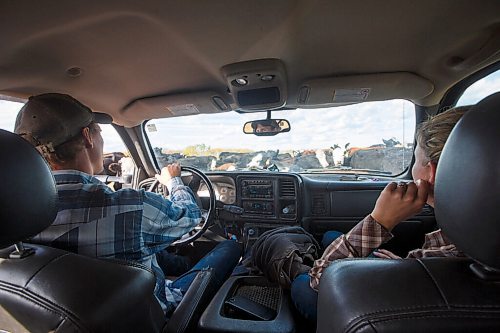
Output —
(130, 50)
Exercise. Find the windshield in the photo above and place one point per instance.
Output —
(371, 138)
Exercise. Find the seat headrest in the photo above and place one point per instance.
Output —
(467, 186)
(28, 195)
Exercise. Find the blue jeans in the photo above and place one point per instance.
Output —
(304, 297)
(329, 237)
(222, 259)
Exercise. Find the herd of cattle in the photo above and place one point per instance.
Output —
(389, 160)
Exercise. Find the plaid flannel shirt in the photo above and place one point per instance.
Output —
(95, 221)
(368, 235)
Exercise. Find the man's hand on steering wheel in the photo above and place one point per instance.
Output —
(174, 170)
(167, 173)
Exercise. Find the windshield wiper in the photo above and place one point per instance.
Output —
(349, 171)
(272, 167)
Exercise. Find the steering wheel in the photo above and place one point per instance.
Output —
(207, 216)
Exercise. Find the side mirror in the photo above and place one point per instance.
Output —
(266, 127)
(117, 168)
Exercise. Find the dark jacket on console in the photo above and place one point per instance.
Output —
(283, 253)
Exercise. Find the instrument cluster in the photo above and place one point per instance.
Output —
(224, 192)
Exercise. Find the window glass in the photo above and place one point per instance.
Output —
(481, 89)
(371, 138)
(8, 113)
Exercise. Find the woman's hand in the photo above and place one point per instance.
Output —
(385, 254)
(398, 202)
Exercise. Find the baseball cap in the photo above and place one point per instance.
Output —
(49, 120)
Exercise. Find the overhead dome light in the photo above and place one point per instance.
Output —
(74, 71)
(241, 81)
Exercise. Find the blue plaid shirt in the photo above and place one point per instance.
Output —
(95, 221)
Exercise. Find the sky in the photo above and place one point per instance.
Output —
(361, 125)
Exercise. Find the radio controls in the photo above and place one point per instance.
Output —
(257, 189)
(258, 207)
(261, 198)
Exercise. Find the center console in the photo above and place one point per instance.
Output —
(252, 303)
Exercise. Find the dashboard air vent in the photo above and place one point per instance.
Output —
(318, 204)
(287, 188)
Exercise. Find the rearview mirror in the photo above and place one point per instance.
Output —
(266, 127)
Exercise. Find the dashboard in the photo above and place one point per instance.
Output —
(251, 203)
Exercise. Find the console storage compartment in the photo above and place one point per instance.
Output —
(248, 304)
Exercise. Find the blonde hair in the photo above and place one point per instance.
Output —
(432, 134)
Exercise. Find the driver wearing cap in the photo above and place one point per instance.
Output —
(267, 126)
(96, 221)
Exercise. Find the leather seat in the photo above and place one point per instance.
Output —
(434, 294)
(44, 289)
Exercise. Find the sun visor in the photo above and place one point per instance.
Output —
(343, 90)
(175, 106)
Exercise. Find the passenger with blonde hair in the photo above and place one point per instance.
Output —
(396, 203)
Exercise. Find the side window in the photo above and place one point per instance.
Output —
(117, 160)
(480, 89)
(8, 113)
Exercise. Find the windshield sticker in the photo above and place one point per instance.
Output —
(151, 128)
